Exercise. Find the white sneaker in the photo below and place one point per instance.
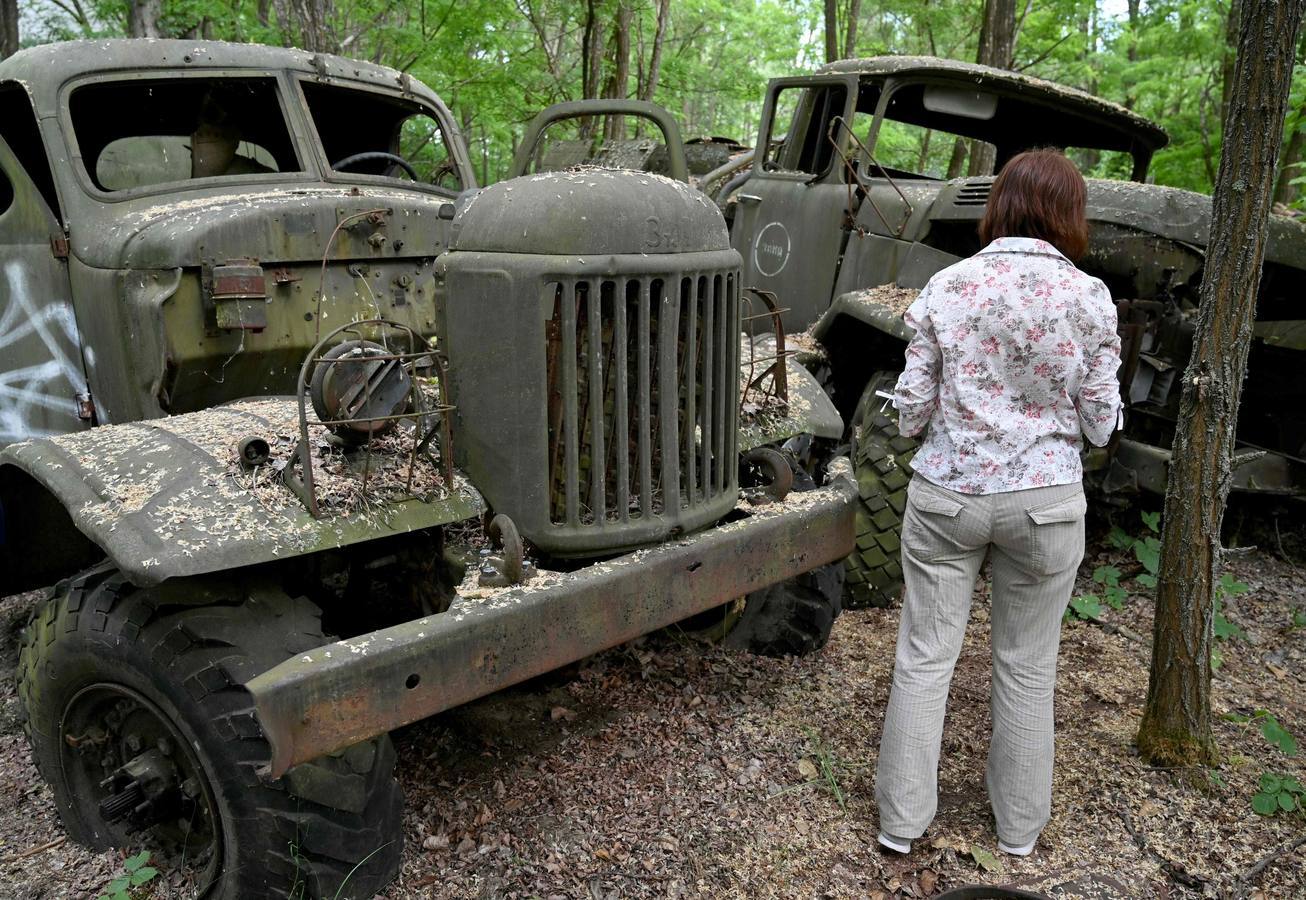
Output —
(1017, 851)
(897, 845)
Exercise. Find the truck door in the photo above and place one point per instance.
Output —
(789, 223)
(43, 387)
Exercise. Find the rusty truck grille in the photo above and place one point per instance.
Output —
(643, 395)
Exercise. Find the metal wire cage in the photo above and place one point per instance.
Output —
(374, 373)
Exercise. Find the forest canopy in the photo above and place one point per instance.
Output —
(497, 62)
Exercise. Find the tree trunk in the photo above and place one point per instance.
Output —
(831, 30)
(850, 35)
(1231, 23)
(1176, 726)
(591, 58)
(957, 162)
(143, 18)
(618, 86)
(997, 45)
(655, 57)
(8, 28)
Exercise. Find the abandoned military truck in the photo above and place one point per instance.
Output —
(270, 361)
(857, 196)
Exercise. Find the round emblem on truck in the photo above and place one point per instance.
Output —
(771, 249)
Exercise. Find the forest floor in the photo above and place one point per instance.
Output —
(662, 769)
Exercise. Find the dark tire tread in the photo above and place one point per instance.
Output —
(882, 465)
(198, 658)
(793, 618)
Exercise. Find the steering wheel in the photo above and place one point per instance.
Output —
(376, 154)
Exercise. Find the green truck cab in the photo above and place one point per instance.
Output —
(316, 438)
(858, 194)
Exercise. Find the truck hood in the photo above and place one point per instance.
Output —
(1170, 213)
(284, 225)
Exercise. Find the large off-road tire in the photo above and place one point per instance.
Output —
(792, 618)
(109, 673)
(881, 463)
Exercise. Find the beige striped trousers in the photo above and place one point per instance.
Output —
(1035, 541)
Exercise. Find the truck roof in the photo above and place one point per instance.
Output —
(50, 65)
(1002, 81)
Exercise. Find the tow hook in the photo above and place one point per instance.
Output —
(512, 567)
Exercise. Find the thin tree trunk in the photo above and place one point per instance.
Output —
(143, 18)
(997, 46)
(655, 59)
(1231, 23)
(831, 30)
(9, 43)
(957, 162)
(591, 58)
(1176, 726)
(618, 86)
(850, 35)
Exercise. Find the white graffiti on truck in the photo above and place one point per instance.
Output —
(53, 378)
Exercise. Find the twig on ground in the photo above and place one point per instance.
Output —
(1123, 630)
(1173, 870)
(1240, 887)
(48, 845)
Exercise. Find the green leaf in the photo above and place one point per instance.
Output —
(1087, 607)
(1153, 521)
(987, 861)
(1226, 630)
(1287, 802)
(1147, 581)
(132, 863)
(143, 874)
(1108, 575)
(119, 884)
(1119, 538)
(1276, 734)
(1299, 618)
(1116, 597)
(1217, 658)
(1232, 586)
(1216, 778)
(1292, 784)
(1265, 804)
(1148, 552)
(1270, 783)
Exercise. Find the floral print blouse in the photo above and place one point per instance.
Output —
(1015, 354)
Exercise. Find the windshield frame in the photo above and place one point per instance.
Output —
(892, 84)
(294, 129)
(428, 102)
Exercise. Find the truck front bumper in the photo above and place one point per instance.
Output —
(343, 693)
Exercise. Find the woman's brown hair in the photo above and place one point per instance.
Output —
(1039, 194)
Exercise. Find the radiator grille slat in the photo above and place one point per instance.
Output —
(710, 346)
(641, 397)
(595, 367)
(569, 405)
(621, 423)
(689, 378)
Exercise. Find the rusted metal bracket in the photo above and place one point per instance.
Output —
(896, 230)
(777, 369)
(340, 694)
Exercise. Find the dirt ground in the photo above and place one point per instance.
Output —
(661, 769)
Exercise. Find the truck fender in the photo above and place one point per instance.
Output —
(858, 306)
(167, 498)
(809, 410)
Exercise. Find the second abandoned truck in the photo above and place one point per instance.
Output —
(313, 357)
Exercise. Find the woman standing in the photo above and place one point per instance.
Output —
(1015, 355)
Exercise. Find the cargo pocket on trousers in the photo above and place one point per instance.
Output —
(929, 528)
(1057, 534)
